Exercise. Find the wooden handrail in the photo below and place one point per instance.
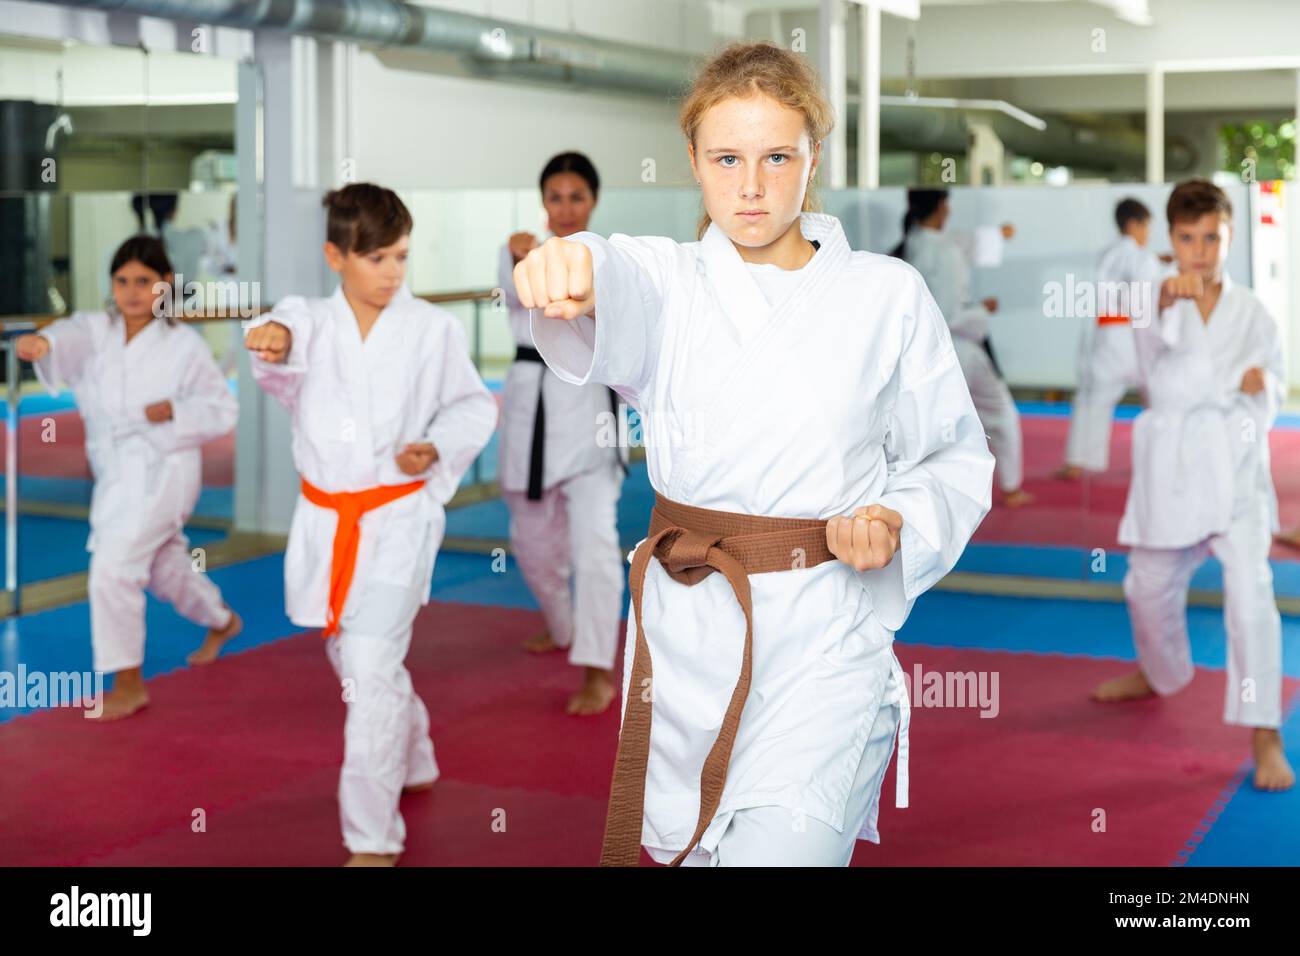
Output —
(437, 298)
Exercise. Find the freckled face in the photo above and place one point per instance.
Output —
(754, 160)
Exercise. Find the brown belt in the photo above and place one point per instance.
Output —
(691, 543)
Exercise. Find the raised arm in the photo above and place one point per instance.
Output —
(278, 343)
(622, 280)
(61, 351)
(940, 471)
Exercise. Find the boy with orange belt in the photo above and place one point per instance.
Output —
(388, 414)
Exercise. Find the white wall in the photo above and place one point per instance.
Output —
(419, 130)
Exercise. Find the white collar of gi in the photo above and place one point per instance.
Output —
(340, 302)
(738, 292)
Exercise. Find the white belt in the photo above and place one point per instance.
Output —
(899, 696)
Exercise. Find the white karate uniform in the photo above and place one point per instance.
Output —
(946, 271)
(844, 394)
(354, 405)
(147, 475)
(568, 538)
(1107, 366)
(1201, 484)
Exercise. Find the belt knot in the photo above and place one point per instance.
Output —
(684, 554)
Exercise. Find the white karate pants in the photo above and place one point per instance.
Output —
(996, 409)
(1109, 369)
(1156, 589)
(775, 836)
(121, 567)
(386, 743)
(571, 535)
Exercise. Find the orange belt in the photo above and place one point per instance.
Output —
(691, 543)
(350, 506)
(1112, 320)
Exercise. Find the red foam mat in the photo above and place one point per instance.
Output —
(251, 748)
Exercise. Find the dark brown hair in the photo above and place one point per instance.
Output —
(150, 253)
(744, 69)
(1193, 198)
(364, 217)
(575, 163)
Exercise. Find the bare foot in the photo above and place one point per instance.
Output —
(127, 696)
(594, 696)
(1272, 772)
(210, 649)
(541, 643)
(1132, 686)
(372, 859)
(1068, 473)
(1289, 538)
(1017, 499)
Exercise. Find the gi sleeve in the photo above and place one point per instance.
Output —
(620, 347)
(283, 380)
(1263, 406)
(204, 408)
(969, 320)
(506, 279)
(466, 413)
(72, 343)
(940, 471)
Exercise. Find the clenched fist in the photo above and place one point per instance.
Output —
(1253, 381)
(520, 244)
(270, 342)
(867, 539)
(416, 458)
(557, 277)
(159, 411)
(32, 348)
(1188, 285)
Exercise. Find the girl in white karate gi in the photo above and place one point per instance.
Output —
(1107, 354)
(942, 262)
(150, 395)
(1212, 365)
(778, 374)
(561, 469)
(388, 414)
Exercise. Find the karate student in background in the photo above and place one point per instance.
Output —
(805, 414)
(388, 414)
(1107, 356)
(943, 264)
(150, 395)
(1212, 366)
(560, 475)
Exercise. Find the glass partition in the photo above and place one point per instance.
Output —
(1067, 534)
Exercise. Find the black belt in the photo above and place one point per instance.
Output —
(537, 454)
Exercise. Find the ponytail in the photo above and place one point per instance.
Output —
(921, 204)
